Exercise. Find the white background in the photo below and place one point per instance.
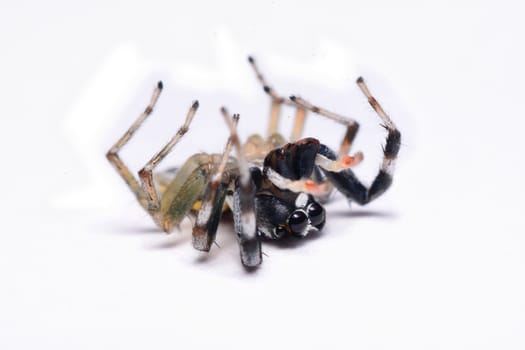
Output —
(436, 263)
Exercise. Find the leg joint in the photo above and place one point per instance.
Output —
(144, 172)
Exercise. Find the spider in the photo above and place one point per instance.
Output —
(273, 188)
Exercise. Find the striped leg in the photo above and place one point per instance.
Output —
(393, 140)
(208, 217)
(243, 205)
(146, 173)
(114, 158)
(277, 101)
(346, 181)
(245, 224)
(351, 125)
(351, 131)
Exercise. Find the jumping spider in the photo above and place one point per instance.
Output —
(272, 187)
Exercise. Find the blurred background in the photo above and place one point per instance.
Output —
(437, 262)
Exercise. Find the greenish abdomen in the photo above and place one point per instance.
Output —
(186, 188)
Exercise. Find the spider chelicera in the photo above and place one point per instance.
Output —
(273, 188)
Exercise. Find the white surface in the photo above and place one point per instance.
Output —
(437, 263)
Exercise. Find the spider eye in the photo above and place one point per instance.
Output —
(298, 221)
(279, 231)
(316, 214)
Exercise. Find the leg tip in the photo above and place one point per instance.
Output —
(251, 256)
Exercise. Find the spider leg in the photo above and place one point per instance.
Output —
(351, 125)
(351, 131)
(243, 205)
(346, 181)
(208, 217)
(276, 102)
(307, 186)
(145, 174)
(298, 126)
(114, 158)
(246, 225)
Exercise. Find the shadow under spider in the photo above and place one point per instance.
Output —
(362, 214)
(137, 229)
(290, 242)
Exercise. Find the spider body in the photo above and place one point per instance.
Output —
(281, 211)
(273, 188)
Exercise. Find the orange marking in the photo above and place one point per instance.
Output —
(347, 161)
(313, 187)
(310, 185)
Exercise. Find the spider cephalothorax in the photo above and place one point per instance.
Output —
(280, 211)
(278, 217)
(273, 188)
